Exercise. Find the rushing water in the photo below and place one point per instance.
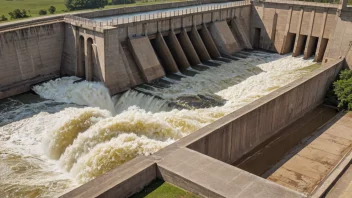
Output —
(48, 147)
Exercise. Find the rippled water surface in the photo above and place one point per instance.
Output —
(74, 132)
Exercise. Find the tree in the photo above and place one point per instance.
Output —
(52, 9)
(17, 14)
(3, 18)
(343, 90)
(115, 2)
(85, 4)
(42, 12)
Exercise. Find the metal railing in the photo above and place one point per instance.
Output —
(151, 16)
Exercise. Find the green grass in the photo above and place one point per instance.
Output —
(34, 6)
(161, 189)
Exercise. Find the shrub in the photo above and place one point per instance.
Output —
(85, 4)
(17, 14)
(3, 18)
(115, 2)
(343, 90)
(42, 12)
(52, 9)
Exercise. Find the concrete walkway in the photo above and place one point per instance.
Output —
(343, 187)
(306, 170)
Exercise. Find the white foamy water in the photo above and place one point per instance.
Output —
(50, 147)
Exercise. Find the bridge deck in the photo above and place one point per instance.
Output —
(308, 168)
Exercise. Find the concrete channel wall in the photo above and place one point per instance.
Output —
(184, 162)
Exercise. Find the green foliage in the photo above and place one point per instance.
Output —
(18, 14)
(52, 9)
(85, 4)
(42, 12)
(3, 18)
(343, 90)
(116, 2)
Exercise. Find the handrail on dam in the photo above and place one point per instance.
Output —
(151, 16)
(333, 3)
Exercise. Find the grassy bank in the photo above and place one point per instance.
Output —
(161, 189)
(34, 6)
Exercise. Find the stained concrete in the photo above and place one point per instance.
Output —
(177, 51)
(224, 38)
(167, 60)
(198, 44)
(146, 59)
(209, 42)
(188, 48)
(311, 165)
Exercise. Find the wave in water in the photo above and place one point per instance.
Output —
(80, 143)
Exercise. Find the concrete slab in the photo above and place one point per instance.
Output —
(343, 187)
(146, 58)
(209, 177)
(310, 167)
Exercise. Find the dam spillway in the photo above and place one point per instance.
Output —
(161, 80)
(78, 129)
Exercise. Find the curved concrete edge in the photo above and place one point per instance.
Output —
(188, 152)
(124, 180)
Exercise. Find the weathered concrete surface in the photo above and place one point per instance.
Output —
(234, 135)
(343, 187)
(208, 177)
(167, 60)
(261, 161)
(146, 59)
(311, 165)
(223, 37)
(29, 55)
(281, 21)
(122, 181)
(188, 48)
(177, 51)
(209, 42)
(198, 44)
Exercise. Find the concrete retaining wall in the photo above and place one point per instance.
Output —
(28, 56)
(234, 135)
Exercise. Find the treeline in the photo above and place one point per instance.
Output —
(20, 14)
(91, 4)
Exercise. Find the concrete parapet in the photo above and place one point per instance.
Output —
(146, 59)
(122, 181)
(209, 177)
(224, 38)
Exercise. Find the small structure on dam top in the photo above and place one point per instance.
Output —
(126, 47)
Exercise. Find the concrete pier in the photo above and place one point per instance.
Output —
(146, 59)
(177, 51)
(164, 54)
(198, 44)
(188, 48)
(223, 37)
(209, 42)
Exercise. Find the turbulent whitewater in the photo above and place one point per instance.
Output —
(79, 132)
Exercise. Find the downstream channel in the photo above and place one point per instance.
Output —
(73, 131)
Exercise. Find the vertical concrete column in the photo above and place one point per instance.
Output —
(309, 49)
(80, 70)
(88, 52)
(321, 43)
(176, 51)
(343, 4)
(165, 55)
(209, 42)
(273, 29)
(299, 39)
(286, 41)
(223, 38)
(188, 48)
(199, 45)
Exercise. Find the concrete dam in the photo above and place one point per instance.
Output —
(221, 99)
